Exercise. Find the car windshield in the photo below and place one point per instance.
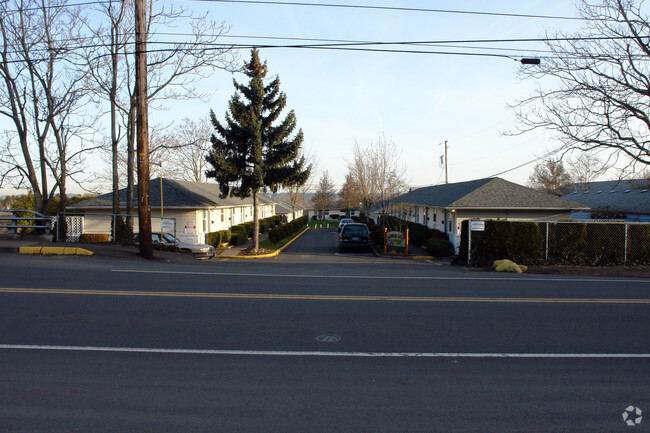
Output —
(169, 238)
(355, 230)
(346, 221)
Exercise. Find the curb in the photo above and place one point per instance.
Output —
(67, 251)
(273, 254)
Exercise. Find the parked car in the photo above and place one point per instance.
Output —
(343, 222)
(197, 250)
(354, 235)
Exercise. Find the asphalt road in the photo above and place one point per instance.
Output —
(315, 341)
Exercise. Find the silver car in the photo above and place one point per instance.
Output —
(197, 250)
(343, 222)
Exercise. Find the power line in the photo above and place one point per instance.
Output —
(394, 8)
(327, 5)
(60, 6)
(552, 152)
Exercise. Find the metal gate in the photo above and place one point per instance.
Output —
(75, 227)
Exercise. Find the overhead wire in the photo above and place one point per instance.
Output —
(327, 5)
(367, 46)
(394, 8)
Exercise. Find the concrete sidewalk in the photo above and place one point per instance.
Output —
(233, 251)
(13, 245)
(39, 245)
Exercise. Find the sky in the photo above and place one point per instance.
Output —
(418, 101)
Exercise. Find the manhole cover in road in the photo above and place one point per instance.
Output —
(328, 338)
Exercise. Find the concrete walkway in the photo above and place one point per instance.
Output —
(232, 251)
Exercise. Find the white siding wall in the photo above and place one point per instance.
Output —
(191, 225)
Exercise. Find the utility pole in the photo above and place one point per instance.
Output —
(446, 171)
(142, 130)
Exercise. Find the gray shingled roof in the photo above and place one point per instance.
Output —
(489, 193)
(614, 196)
(176, 194)
(283, 207)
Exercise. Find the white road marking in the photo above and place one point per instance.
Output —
(514, 277)
(318, 353)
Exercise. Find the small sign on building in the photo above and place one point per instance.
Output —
(190, 228)
(166, 224)
(477, 226)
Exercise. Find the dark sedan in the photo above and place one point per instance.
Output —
(354, 236)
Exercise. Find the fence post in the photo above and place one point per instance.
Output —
(625, 243)
(469, 239)
(546, 246)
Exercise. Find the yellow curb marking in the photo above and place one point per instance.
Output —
(55, 251)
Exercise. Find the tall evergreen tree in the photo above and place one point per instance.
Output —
(254, 151)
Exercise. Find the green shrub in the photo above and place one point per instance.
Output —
(435, 233)
(417, 235)
(238, 238)
(225, 236)
(567, 243)
(214, 239)
(495, 243)
(241, 228)
(440, 248)
(605, 244)
(123, 232)
(638, 244)
(377, 235)
(528, 243)
(284, 230)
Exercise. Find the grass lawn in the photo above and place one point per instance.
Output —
(323, 224)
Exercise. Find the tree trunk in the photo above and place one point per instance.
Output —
(114, 137)
(256, 223)
(130, 165)
(62, 223)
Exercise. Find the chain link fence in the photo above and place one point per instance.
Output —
(591, 243)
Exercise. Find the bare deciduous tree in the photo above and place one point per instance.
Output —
(42, 94)
(550, 177)
(349, 196)
(325, 194)
(585, 168)
(174, 69)
(301, 182)
(600, 92)
(377, 173)
(184, 149)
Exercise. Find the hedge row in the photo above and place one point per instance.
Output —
(247, 228)
(285, 230)
(568, 243)
(217, 238)
(436, 242)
